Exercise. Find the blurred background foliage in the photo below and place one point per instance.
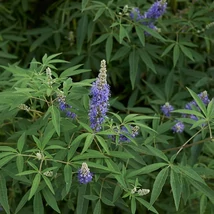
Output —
(86, 31)
(144, 71)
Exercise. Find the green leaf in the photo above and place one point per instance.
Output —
(48, 133)
(68, 177)
(167, 49)
(107, 201)
(133, 63)
(146, 170)
(35, 185)
(82, 204)
(203, 188)
(6, 55)
(48, 183)
(122, 33)
(187, 111)
(158, 184)
(176, 187)
(97, 208)
(39, 41)
(22, 202)
(38, 207)
(88, 142)
(176, 54)
(133, 205)
(186, 52)
(50, 199)
(210, 109)
(153, 33)
(140, 33)
(90, 154)
(38, 142)
(103, 143)
(3, 194)
(203, 204)
(121, 52)
(169, 85)
(103, 168)
(91, 197)
(73, 71)
(145, 57)
(199, 102)
(100, 39)
(55, 118)
(156, 90)
(28, 172)
(99, 13)
(21, 142)
(189, 172)
(121, 155)
(84, 4)
(147, 205)
(5, 160)
(81, 32)
(157, 152)
(75, 145)
(7, 149)
(109, 45)
(20, 163)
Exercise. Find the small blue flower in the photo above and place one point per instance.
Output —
(100, 92)
(84, 174)
(178, 127)
(63, 106)
(124, 133)
(166, 109)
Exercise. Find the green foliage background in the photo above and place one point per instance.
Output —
(171, 65)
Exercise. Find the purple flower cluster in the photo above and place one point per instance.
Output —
(84, 174)
(166, 109)
(124, 133)
(100, 92)
(178, 127)
(156, 10)
(149, 17)
(63, 106)
(191, 105)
